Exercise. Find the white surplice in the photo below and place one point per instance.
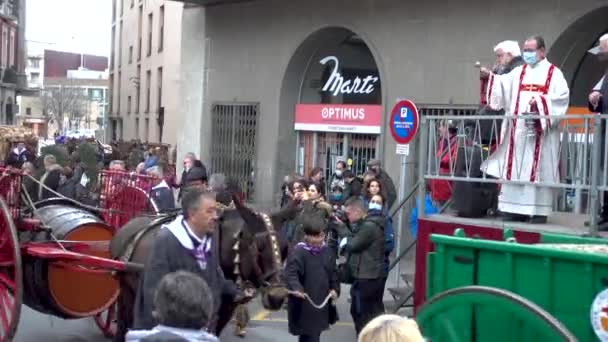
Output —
(528, 152)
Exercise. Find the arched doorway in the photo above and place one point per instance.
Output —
(332, 97)
(570, 53)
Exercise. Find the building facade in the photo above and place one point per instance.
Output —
(34, 70)
(145, 70)
(68, 92)
(12, 58)
(274, 87)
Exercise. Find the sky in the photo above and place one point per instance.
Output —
(69, 25)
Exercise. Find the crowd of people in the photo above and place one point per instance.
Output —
(345, 225)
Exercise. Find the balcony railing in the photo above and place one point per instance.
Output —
(557, 152)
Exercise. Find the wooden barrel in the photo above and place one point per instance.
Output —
(65, 290)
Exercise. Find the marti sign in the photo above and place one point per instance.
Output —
(336, 84)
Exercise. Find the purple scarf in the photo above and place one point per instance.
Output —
(314, 250)
(201, 251)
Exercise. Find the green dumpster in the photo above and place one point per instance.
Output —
(563, 275)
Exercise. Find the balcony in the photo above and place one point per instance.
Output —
(9, 9)
(211, 2)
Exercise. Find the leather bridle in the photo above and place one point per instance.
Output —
(265, 279)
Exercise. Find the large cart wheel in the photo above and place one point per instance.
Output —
(11, 276)
(106, 320)
(441, 318)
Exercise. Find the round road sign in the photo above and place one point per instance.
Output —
(404, 121)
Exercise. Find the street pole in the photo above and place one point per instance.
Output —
(400, 221)
(594, 197)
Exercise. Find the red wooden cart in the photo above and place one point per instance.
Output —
(54, 255)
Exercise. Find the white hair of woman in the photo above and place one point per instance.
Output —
(509, 46)
(155, 171)
(217, 182)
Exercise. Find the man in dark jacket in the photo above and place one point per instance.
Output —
(385, 180)
(366, 263)
(598, 103)
(190, 163)
(51, 179)
(352, 185)
(186, 244)
(161, 193)
(19, 155)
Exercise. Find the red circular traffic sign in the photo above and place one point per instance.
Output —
(404, 121)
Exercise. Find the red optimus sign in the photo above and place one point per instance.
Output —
(339, 118)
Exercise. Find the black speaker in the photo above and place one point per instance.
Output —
(472, 199)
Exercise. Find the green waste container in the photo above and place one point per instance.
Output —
(562, 282)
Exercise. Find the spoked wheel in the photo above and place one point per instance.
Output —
(106, 320)
(488, 314)
(11, 276)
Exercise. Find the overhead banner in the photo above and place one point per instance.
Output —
(339, 118)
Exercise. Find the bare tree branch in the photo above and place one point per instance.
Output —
(65, 101)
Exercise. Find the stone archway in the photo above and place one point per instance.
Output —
(293, 84)
(569, 52)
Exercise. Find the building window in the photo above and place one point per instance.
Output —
(96, 94)
(159, 80)
(34, 63)
(147, 130)
(130, 54)
(139, 30)
(11, 54)
(111, 95)
(150, 22)
(129, 104)
(113, 48)
(118, 94)
(137, 128)
(4, 45)
(28, 111)
(132, 3)
(120, 46)
(138, 89)
(148, 81)
(114, 11)
(35, 77)
(161, 28)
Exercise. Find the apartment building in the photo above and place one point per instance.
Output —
(144, 70)
(12, 58)
(69, 92)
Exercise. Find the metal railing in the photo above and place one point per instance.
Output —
(551, 151)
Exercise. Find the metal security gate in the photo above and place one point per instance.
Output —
(324, 149)
(233, 150)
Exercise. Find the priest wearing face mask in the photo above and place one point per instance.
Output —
(598, 103)
(528, 150)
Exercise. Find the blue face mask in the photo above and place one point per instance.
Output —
(529, 57)
(336, 197)
(375, 206)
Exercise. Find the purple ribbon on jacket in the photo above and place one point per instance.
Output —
(202, 250)
(314, 250)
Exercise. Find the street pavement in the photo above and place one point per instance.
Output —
(264, 326)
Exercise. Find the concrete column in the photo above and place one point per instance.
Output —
(194, 131)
